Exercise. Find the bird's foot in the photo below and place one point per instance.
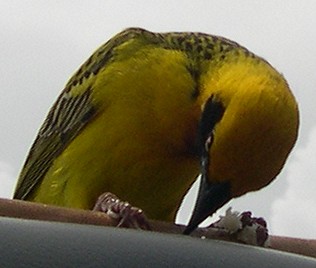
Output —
(126, 215)
(244, 227)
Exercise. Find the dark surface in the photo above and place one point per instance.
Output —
(29, 243)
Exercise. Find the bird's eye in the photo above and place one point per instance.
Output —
(208, 142)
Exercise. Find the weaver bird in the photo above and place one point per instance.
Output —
(148, 112)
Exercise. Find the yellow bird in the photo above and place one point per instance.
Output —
(148, 112)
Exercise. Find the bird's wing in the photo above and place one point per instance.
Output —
(65, 120)
(72, 111)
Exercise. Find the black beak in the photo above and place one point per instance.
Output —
(212, 195)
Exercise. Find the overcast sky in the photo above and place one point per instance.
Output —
(42, 43)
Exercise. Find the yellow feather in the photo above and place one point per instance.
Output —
(128, 122)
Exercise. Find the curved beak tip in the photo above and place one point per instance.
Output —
(211, 197)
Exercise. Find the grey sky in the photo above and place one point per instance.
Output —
(44, 42)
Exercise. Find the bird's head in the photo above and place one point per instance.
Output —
(248, 126)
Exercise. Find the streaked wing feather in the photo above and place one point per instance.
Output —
(74, 108)
(70, 113)
(65, 120)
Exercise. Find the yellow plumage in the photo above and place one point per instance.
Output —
(128, 122)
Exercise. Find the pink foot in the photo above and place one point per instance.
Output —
(127, 215)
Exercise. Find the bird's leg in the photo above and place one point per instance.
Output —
(127, 215)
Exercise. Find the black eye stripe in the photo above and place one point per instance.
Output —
(212, 113)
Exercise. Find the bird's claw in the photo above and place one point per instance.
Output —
(127, 215)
